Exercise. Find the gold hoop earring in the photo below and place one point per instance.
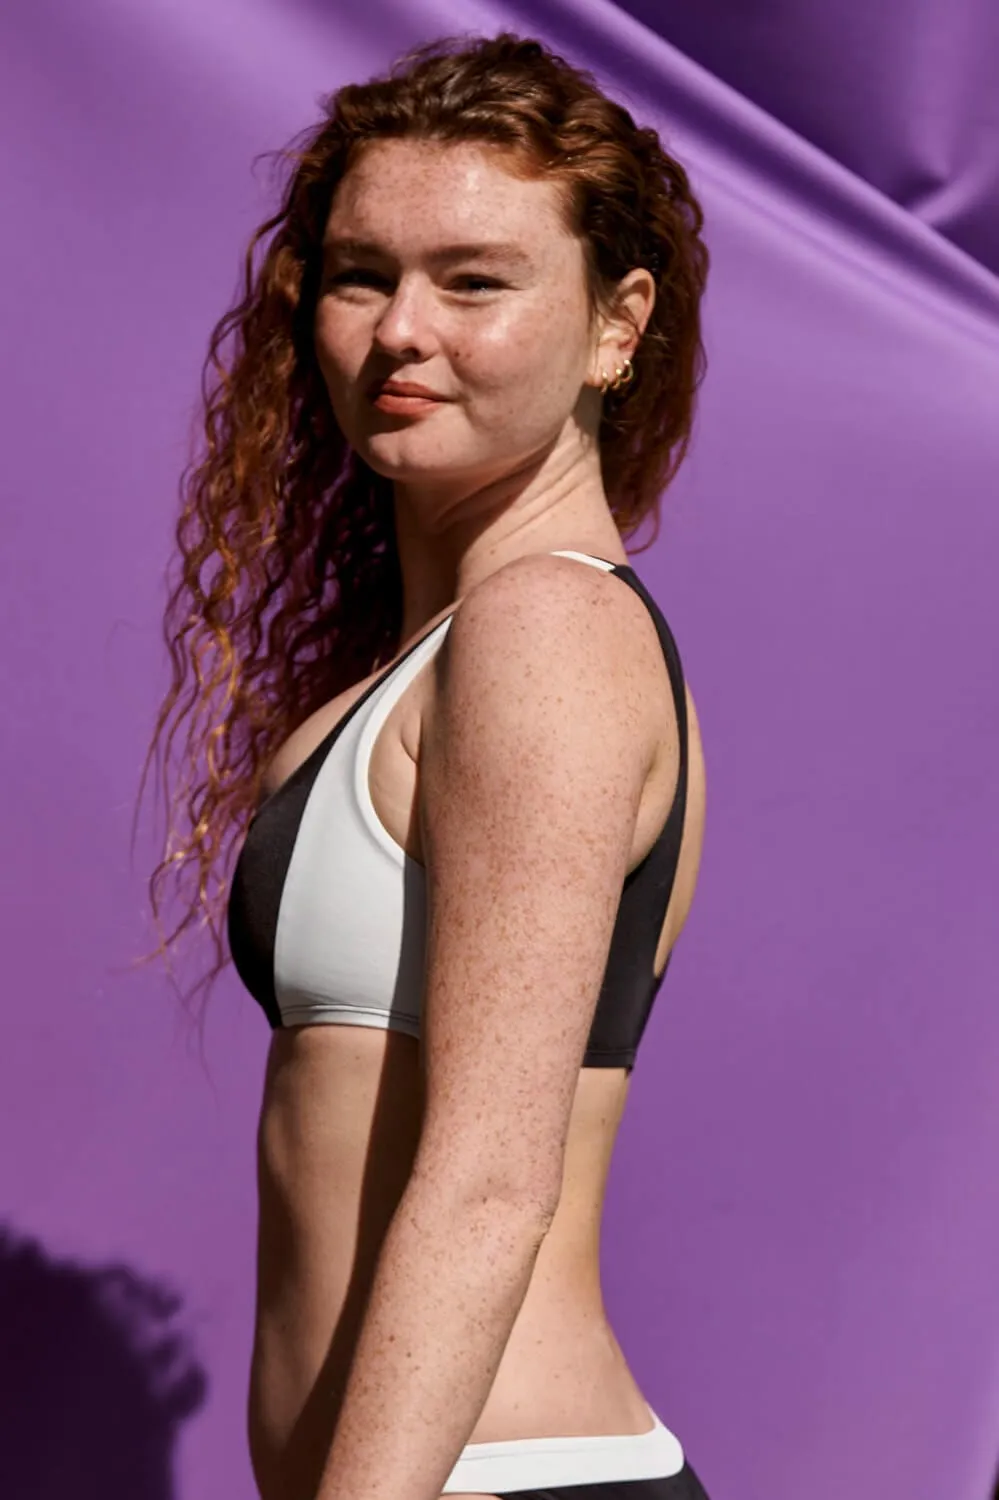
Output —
(623, 376)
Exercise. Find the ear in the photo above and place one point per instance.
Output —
(619, 329)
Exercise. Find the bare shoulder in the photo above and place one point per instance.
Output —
(544, 624)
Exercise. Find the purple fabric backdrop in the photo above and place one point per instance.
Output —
(802, 1230)
(906, 95)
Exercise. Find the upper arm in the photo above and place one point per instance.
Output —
(533, 756)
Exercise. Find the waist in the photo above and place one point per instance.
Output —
(562, 1372)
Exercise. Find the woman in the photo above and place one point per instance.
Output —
(463, 371)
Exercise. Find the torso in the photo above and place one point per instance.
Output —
(339, 1124)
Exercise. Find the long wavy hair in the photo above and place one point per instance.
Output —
(289, 586)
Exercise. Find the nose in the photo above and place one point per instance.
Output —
(406, 323)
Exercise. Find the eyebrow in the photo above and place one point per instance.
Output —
(487, 250)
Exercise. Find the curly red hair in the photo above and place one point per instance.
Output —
(289, 588)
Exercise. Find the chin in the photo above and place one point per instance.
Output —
(393, 460)
(401, 469)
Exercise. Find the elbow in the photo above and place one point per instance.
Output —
(533, 1210)
(517, 1208)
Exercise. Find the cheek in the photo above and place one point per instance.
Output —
(337, 345)
(527, 364)
(339, 361)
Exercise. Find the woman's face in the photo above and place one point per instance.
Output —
(443, 269)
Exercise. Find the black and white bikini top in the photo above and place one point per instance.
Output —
(326, 911)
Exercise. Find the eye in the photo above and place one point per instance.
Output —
(486, 283)
(337, 278)
(358, 275)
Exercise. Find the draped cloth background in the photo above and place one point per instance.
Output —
(803, 1225)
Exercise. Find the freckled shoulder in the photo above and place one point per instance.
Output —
(556, 617)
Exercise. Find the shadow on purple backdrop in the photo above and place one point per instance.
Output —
(96, 1379)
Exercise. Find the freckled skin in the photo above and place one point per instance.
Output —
(512, 457)
(428, 1259)
(514, 357)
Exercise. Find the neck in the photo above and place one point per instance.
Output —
(446, 547)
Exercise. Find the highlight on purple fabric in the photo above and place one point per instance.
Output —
(802, 1228)
(904, 95)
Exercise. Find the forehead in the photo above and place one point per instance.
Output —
(407, 194)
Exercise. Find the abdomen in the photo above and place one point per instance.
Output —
(338, 1132)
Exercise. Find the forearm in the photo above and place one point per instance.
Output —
(446, 1291)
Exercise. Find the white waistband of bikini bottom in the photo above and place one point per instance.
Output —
(539, 1463)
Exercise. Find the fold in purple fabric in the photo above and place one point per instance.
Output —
(906, 96)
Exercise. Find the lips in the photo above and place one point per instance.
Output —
(403, 388)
